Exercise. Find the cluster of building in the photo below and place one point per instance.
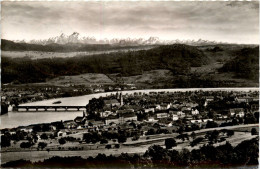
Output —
(167, 110)
(119, 109)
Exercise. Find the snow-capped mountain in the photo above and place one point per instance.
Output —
(75, 37)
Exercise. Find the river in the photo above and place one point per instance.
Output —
(15, 119)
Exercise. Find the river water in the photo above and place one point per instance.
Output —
(15, 119)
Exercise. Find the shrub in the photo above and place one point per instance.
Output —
(108, 146)
(254, 131)
(170, 142)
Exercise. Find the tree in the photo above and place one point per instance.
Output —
(196, 141)
(52, 136)
(62, 141)
(42, 145)
(44, 136)
(45, 127)
(230, 133)
(5, 141)
(103, 141)
(122, 138)
(211, 124)
(249, 118)
(169, 143)
(26, 144)
(254, 131)
(183, 137)
(256, 115)
(135, 137)
(150, 132)
(108, 146)
(212, 135)
(156, 152)
(37, 128)
(193, 135)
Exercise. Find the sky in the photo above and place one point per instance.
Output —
(234, 22)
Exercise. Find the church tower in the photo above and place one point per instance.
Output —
(121, 99)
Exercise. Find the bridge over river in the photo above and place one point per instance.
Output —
(49, 108)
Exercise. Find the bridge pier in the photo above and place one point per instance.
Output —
(49, 108)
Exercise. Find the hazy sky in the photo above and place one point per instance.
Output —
(221, 21)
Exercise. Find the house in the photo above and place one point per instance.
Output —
(181, 114)
(151, 119)
(194, 111)
(206, 120)
(161, 114)
(149, 110)
(165, 106)
(130, 116)
(112, 119)
(175, 117)
(238, 112)
(62, 133)
(209, 98)
(255, 107)
(165, 122)
(173, 110)
(196, 121)
(28, 130)
(243, 99)
(125, 111)
(105, 113)
(111, 102)
(69, 124)
(157, 107)
(95, 123)
(79, 119)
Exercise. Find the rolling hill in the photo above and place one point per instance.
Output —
(176, 58)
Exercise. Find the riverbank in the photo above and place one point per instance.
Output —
(15, 119)
(83, 100)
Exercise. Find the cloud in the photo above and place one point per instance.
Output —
(189, 20)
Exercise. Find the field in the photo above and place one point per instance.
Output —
(241, 133)
(43, 54)
(83, 79)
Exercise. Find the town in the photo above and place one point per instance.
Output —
(119, 122)
(13, 94)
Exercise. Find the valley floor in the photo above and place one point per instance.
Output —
(242, 133)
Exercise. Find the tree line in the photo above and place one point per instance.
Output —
(244, 154)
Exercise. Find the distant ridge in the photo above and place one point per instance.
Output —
(7, 45)
(75, 37)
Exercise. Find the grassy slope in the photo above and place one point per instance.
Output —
(215, 57)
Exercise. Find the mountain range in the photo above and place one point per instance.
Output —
(75, 37)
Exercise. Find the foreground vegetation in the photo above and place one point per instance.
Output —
(245, 153)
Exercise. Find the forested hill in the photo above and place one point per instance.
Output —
(245, 64)
(177, 58)
(7, 45)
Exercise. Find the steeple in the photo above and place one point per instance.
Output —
(121, 100)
